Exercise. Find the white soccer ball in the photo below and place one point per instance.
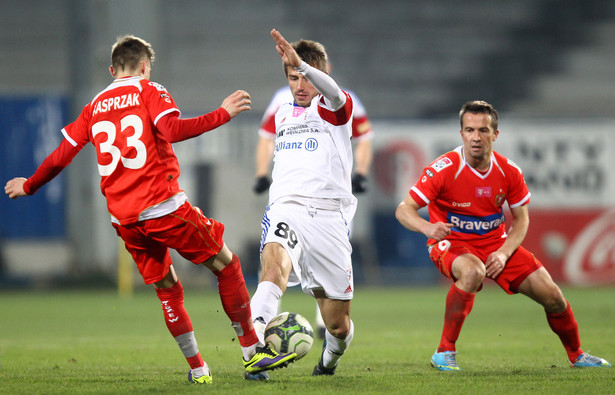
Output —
(290, 332)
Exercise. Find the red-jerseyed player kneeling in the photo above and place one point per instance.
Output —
(132, 123)
(465, 190)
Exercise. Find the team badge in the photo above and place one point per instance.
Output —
(499, 199)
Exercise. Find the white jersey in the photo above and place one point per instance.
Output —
(361, 126)
(313, 153)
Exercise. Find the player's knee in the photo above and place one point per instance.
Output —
(472, 275)
(340, 332)
(554, 301)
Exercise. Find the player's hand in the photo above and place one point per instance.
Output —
(14, 187)
(438, 231)
(261, 184)
(287, 52)
(359, 183)
(237, 102)
(495, 264)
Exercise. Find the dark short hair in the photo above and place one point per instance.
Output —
(479, 107)
(312, 53)
(128, 51)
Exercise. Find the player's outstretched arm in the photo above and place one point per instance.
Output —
(237, 102)
(14, 188)
(287, 52)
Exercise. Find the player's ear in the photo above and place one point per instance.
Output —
(496, 134)
(112, 71)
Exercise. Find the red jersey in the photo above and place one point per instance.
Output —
(136, 163)
(472, 201)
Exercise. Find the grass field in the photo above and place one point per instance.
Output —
(96, 342)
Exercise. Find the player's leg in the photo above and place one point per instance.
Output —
(234, 297)
(276, 268)
(154, 263)
(338, 335)
(540, 287)
(171, 295)
(320, 323)
(469, 273)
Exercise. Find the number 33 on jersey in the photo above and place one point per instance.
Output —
(136, 163)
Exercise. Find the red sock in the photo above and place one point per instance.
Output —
(178, 322)
(458, 305)
(565, 326)
(236, 301)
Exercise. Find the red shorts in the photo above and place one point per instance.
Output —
(521, 264)
(194, 236)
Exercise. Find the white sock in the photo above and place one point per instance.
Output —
(336, 347)
(264, 305)
(200, 372)
(248, 352)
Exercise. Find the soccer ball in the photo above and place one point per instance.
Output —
(290, 332)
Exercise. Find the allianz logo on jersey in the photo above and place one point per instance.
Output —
(476, 225)
(310, 145)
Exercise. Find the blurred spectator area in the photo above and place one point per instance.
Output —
(405, 58)
(408, 60)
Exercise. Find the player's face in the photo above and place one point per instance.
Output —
(478, 136)
(302, 90)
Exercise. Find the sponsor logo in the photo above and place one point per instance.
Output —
(462, 204)
(483, 192)
(166, 97)
(311, 144)
(591, 258)
(429, 173)
(157, 86)
(441, 164)
(475, 225)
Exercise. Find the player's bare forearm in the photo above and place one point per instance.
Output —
(363, 157)
(264, 154)
(14, 188)
(407, 214)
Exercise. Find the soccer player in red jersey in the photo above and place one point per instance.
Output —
(132, 123)
(465, 190)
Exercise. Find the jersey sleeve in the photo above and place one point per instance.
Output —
(61, 157)
(175, 129)
(338, 117)
(267, 125)
(431, 181)
(361, 125)
(158, 101)
(519, 193)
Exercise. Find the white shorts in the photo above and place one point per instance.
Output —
(318, 244)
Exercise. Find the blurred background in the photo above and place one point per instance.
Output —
(546, 65)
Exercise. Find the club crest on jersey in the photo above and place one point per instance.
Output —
(441, 164)
(500, 198)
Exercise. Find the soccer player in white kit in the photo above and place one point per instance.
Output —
(305, 237)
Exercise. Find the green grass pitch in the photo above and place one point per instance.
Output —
(68, 342)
